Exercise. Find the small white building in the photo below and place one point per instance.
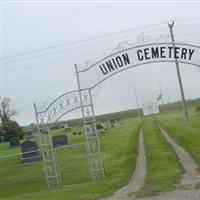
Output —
(150, 108)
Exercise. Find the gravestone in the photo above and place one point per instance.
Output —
(2, 133)
(197, 109)
(117, 122)
(67, 128)
(59, 140)
(100, 128)
(77, 133)
(29, 149)
(29, 135)
(112, 123)
(14, 142)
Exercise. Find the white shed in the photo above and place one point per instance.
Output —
(150, 108)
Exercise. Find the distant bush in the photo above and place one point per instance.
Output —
(12, 129)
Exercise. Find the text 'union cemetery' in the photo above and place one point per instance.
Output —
(168, 53)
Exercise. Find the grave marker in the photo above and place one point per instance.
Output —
(29, 135)
(30, 151)
(77, 133)
(14, 142)
(59, 140)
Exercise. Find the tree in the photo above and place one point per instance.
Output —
(5, 112)
(10, 127)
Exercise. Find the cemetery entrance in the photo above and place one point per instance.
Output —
(87, 79)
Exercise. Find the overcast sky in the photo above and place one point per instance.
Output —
(43, 75)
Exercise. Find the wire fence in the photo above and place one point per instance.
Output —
(23, 172)
(17, 175)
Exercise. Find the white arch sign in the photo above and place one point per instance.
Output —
(136, 56)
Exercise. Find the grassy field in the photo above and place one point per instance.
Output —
(163, 168)
(185, 134)
(26, 181)
(119, 145)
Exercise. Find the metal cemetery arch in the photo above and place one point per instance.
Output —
(135, 56)
(82, 99)
(78, 99)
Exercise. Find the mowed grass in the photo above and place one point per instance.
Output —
(21, 181)
(186, 134)
(163, 169)
(119, 147)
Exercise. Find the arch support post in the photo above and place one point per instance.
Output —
(96, 165)
(50, 164)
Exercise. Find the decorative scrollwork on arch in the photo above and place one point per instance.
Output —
(60, 106)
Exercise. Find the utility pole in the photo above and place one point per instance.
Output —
(136, 99)
(161, 93)
(185, 112)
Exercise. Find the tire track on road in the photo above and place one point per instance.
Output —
(138, 178)
(191, 176)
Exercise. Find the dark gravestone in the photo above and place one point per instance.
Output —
(30, 151)
(59, 140)
(77, 133)
(112, 123)
(68, 129)
(14, 142)
(100, 128)
(197, 109)
(2, 133)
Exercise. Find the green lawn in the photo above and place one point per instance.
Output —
(185, 134)
(163, 168)
(119, 146)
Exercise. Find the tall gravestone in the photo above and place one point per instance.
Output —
(30, 151)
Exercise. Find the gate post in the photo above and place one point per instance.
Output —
(96, 165)
(50, 165)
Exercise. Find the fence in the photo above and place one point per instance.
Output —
(18, 175)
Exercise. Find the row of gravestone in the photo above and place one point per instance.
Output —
(29, 148)
(14, 141)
